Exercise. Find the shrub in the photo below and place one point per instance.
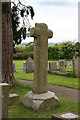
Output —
(15, 56)
(23, 56)
(72, 74)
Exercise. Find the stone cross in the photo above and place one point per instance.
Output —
(40, 98)
(41, 33)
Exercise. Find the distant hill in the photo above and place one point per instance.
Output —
(50, 44)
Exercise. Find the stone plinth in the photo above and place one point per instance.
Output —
(13, 99)
(5, 96)
(65, 116)
(40, 102)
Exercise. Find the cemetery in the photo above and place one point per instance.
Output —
(36, 85)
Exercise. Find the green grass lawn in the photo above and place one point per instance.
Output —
(52, 78)
(20, 111)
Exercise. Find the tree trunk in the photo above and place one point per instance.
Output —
(7, 48)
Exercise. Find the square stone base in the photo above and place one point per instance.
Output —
(65, 116)
(40, 102)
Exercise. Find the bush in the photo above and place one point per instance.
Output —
(15, 56)
(72, 74)
(23, 56)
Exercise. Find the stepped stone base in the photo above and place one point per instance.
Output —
(40, 102)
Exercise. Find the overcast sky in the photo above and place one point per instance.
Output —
(61, 16)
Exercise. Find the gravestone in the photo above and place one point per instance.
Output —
(53, 66)
(77, 66)
(14, 67)
(24, 67)
(65, 116)
(40, 98)
(65, 63)
(29, 65)
(72, 62)
(61, 65)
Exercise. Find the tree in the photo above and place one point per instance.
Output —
(7, 39)
(21, 11)
(7, 45)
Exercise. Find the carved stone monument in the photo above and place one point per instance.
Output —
(61, 65)
(29, 65)
(24, 67)
(53, 66)
(40, 98)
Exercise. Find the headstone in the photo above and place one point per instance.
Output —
(61, 65)
(77, 66)
(65, 63)
(40, 98)
(29, 65)
(24, 67)
(14, 67)
(53, 66)
(72, 62)
(65, 116)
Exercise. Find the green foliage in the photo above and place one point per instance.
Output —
(72, 74)
(22, 56)
(21, 32)
(65, 50)
(53, 52)
(77, 49)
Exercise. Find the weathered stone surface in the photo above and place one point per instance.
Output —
(7, 99)
(13, 99)
(40, 102)
(24, 67)
(61, 65)
(65, 116)
(5, 95)
(53, 66)
(40, 99)
(14, 67)
(29, 65)
(77, 66)
(41, 35)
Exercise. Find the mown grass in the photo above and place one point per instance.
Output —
(20, 111)
(52, 78)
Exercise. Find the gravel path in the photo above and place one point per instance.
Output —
(59, 90)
